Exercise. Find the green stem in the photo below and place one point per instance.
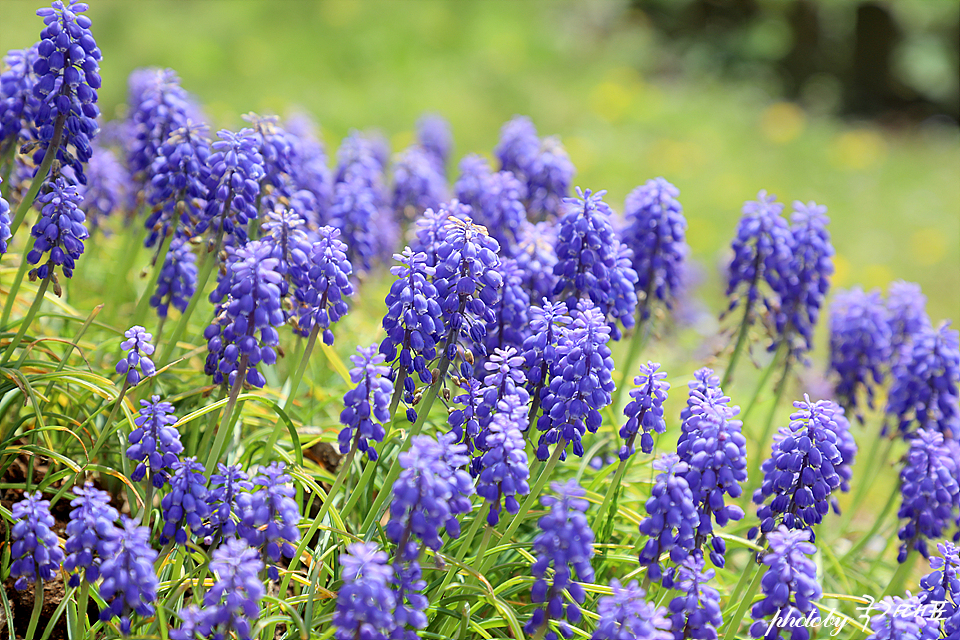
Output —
(465, 545)
(209, 431)
(640, 332)
(532, 497)
(895, 587)
(144, 302)
(734, 624)
(224, 428)
(767, 428)
(37, 608)
(294, 386)
(208, 266)
(878, 522)
(25, 323)
(41, 175)
(865, 481)
(741, 340)
(608, 498)
(116, 407)
(762, 383)
(15, 287)
(82, 618)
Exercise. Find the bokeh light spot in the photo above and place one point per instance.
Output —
(928, 245)
(782, 122)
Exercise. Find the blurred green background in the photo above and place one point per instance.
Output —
(628, 102)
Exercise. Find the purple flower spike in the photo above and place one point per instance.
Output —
(903, 619)
(436, 138)
(106, 188)
(536, 257)
(321, 296)
(68, 76)
(928, 483)
(804, 288)
(366, 406)
(761, 251)
(626, 615)
(129, 580)
(137, 361)
(154, 444)
(59, 231)
(713, 446)
(194, 624)
(859, 344)
(512, 311)
(355, 211)
(941, 590)
(432, 490)
(35, 552)
(672, 519)
(177, 190)
(223, 499)
(177, 281)
(504, 472)
(312, 179)
(801, 472)
(924, 392)
(548, 180)
(418, 182)
(518, 146)
(270, 517)
(571, 409)
(278, 152)
(590, 263)
(186, 504)
(18, 104)
(365, 601)
(789, 586)
(565, 543)
(696, 613)
(236, 169)
(234, 600)
(542, 349)
(645, 410)
(158, 107)
(907, 309)
(89, 533)
(283, 231)
(250, 306)
(4, 223)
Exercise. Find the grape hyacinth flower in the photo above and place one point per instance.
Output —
(435, 137)
(465, 421)
(580, 385)
(704, 380)
(18, 104)
(277, 149)
(311, 177)
(251, 288)
(408, 585)
(542, 349)
(468, 283)
(270, 516)
(365, 602)
(194, 624)
(154, 443)
(536, 257)
(129, 579)
(431, 491)
(59, 231)
(504, 378)
(186, 504)
(626, 615)
(548, 180)
(928, 483)
(847, 446)
(941, 590)
(158, 107)
(234, 600)
(4, 223)
(499, 207)
(35, 552)
(804, 288)
(512, 311)
(89, 533)
(177, 190)
(137, 361)
(223, 499)
(924, 391)
(761, 253)
(518, 146)
(355, 211)
(290, 245)
(789, 586)
(236, 169)
(714, 448)
(321, 296)
(800, 473)
(504, 472)
(417, 182)
(366, 406)
(656, 232)
(645, 410)
(859, 344)
(589, 261)
(177, 281)
(428, 230)
(106, 188)
(414, 321)
(907, 313)
(903, 619)
(672, 519)
(565, 543)
(68, 76)
(696, 613)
